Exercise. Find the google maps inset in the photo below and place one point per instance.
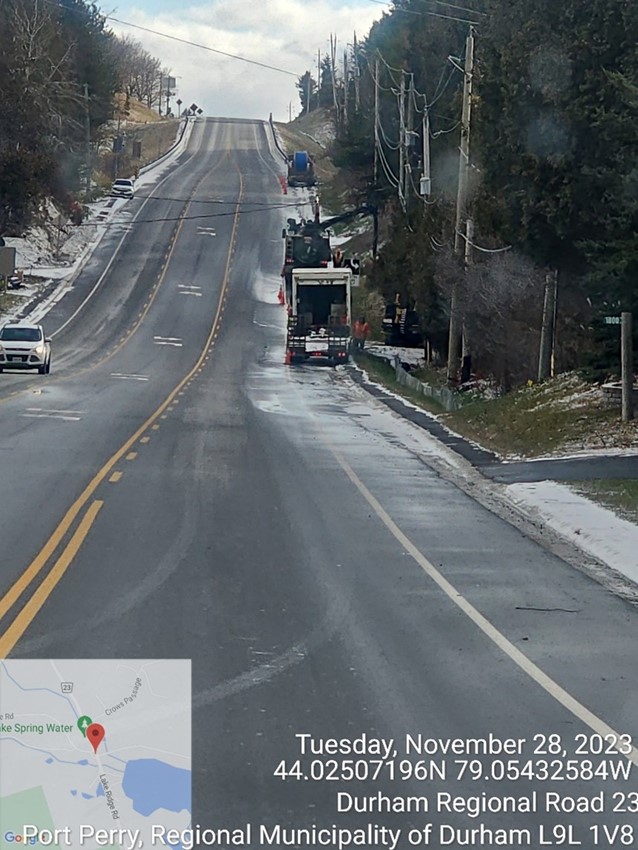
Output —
(94, 752)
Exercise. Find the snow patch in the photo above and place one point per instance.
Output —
(592, 528)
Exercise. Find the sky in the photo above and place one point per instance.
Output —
(282, 33)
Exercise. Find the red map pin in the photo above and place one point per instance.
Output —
(94, 734)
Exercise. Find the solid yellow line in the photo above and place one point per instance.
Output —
(115, 477)
(53, 542)
(26, 616)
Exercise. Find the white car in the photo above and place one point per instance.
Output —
(123, 187)
(24, 346)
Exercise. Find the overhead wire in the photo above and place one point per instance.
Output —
(484, 250)
(429, 12)
(180, 40)
(125, 223)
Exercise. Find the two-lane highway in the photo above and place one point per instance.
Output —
(288, 535)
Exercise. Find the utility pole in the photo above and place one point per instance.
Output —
(87, 130)
(461, 203)
(357, 102)
(426, 180)
(118, 146)
(466, 347)
(159, 97)
(376, 121)
(545, 353)
(318, 78)
(345, 86)
(464, 149)
(402, 142)
(407, 180)
(308, 92)
(552, 367)
(627, 367)
(333, 75)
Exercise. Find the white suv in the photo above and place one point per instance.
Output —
(123, 188)
(24, 346)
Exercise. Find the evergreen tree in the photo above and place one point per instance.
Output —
(557, 137)
(307, 92)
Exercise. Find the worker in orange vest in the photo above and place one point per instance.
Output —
(361, 333)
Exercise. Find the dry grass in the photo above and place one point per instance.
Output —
(156, 139)
(137, 112)
(558, 416)
(620, 496)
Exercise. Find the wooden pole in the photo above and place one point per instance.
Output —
(547, 330)
(627, 367)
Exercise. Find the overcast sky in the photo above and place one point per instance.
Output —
(283, 33)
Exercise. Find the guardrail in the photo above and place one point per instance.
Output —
(447, 398)
(171, 150)
(276, 138)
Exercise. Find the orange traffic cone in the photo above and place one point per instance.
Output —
(280, 297)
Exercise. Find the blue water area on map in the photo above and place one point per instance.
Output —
(48, 761)
(74, 792)
(152, 784)
(83, 762)
(99, 790)
(87, 796)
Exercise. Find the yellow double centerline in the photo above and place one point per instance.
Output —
(25, 617)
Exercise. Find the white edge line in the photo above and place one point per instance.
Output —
(519, 658)
(115, 253)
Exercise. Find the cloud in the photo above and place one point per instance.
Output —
(282, 33)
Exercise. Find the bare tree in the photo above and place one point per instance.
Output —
(139, 72)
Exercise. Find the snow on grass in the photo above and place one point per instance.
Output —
(413, 356)
(57, 251)
(593, 528)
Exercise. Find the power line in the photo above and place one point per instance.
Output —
(428, 12)
(264, 204)
(461, 8)
(180, 40)
(484, 250)
(203, 46)
(233, 212)
(390, 68)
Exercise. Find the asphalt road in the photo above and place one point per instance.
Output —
(188, 496)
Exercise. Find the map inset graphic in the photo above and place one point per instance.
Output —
(101, 745)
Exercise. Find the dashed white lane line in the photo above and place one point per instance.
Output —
(44, 413)
(125, 377)
(168, 340)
